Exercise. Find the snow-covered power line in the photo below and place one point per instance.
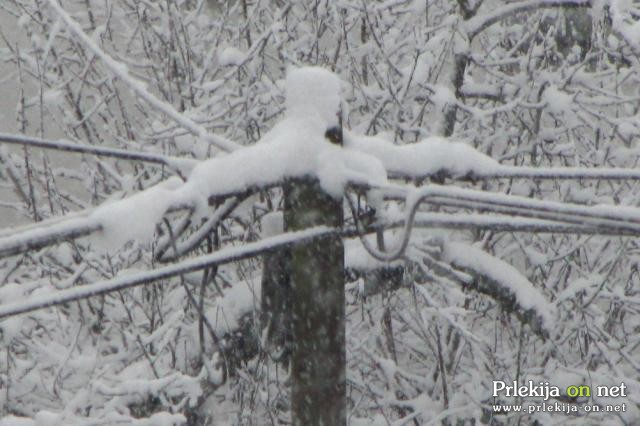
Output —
(174, 163)
(146, 277)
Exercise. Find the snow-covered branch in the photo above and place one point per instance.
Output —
(139, 88)
(625, 22)
(503, 283)
(479, 23)
(47, 233)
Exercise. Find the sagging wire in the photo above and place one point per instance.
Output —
(412, 204)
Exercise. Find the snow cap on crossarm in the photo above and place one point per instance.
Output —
(311, 91)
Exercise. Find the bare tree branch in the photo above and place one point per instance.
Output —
(139, 87)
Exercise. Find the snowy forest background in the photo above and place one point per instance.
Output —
(537, 85)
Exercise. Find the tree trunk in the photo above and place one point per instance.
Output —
(318, 393)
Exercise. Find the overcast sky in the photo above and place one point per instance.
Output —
(8, 88)
(8, 100)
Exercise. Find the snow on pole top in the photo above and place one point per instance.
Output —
(313, 90)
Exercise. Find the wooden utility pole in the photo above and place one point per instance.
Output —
(318, 392)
